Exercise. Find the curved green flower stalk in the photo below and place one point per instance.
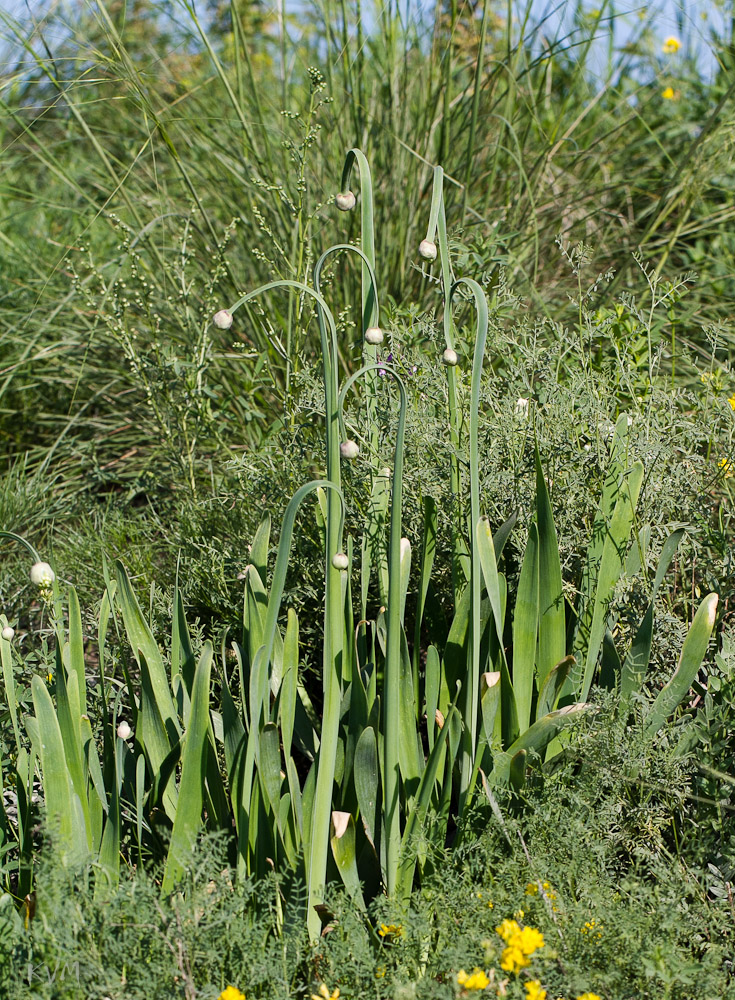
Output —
(316, 860)
(372, 553)
(436, 230)
(471, 684)
(392, 677)
(356, 158)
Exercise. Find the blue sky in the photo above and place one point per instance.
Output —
(683, 18)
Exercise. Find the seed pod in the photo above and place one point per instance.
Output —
(223, 319)
(449, 357)
(349, 449)
(124, 731)
(374, 335)
(8, 633)
(340, 560)
(427, 250)
(345, 201)
(42, 575)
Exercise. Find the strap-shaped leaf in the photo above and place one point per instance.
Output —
(611, 564)
(553, 686)
(259, 549)
(76, 649)
(690, 660)
(538, 736)
(342, 842)
(525, 629)
(146, 651)
(639, 655)
(57, 784)
(552, 619)
(191, 788)
(416, 817)
(367, 781)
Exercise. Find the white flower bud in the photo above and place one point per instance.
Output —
(427, 250)
(449, 357)
(340, 560)
(124, 731)
(349, 449)
(223, 319)
(522, 406)
(345, 201)
(374, 335)
(8, 633)
(42, 575)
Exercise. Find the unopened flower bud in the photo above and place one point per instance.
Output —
(42, 575)
(449, 357)
(374, 335)
(223, 319)
(340, 560)
(345, 201)
(124, 731)
(8, 633)
(349, 449)
(427, 250)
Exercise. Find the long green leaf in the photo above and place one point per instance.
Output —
(191, 788)
(611, 564)
(690, 660)
(552, 619)
(57, 786)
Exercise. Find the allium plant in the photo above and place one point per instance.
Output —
(406, 733)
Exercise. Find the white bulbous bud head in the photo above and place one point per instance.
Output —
(8, 633)
(427, 250)
(42, 575)
(374, 336)
(340, 560)
(124, 731)
(345, 201)
(223, 319)
(522, 406)
(449, 357)
(349, 449)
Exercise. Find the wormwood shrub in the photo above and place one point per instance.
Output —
(592, 861)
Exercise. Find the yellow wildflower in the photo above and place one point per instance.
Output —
(231, 993)
(324, 993)
(476, 980)
(727, 469)
(532, 889)
(390, 930)
(513, 960)
(731, 401)
(526, 939)
(669, 94)
(671, 45)
(534, 991)
(589, 996)
(592, 928)
(521, 942)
